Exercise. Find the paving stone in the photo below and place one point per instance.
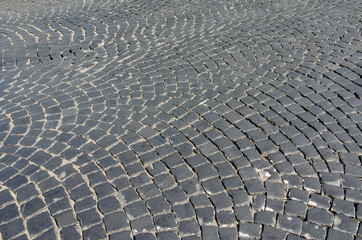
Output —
(343, 207)
(205, 171)
(47, 235)
(284, 168)
(330, 178)
(243, 213)
(249, 230)
(254, 186)
(89, 217)
(345, 224)
(213, 186)
(247, 173)
(296, 208)
(12, 228)
(293, 181)
(311, 184)
(221, 201)
(350, 182)
(275, 190)
(165, 221)
(359, 233)
(353, 195)
(167, 235)
(295, 237)
(273, 233)
(349, 158)
(95, 232)
(359, 211)
(8, 212)
(232, 183)
(258, 202)
(290, 224)
(205, 215)
(121, 235)
(265, 217)
(320, 216)
(274, 205)
(333, 191)
(189, 227)
(335, 234)
(175, 195)
(164, 181)
(142, 224)
(157, 205)
(70, 232)
(228, 233)
(135, 210)
(32, 206)
(319, 201)
(225, 218)
(182, 173)
(104, 190)
(312, 231)
(5, 197)
(39, 223)
(298, 194)
(200, 200)
(115, 221)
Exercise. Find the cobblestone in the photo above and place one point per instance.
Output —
(180, 119)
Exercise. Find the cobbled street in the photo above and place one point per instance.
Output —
(180, 119)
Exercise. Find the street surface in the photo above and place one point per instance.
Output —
(180, 119)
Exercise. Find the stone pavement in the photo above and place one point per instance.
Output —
(182, 119)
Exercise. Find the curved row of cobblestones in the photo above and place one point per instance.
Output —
(180, 119)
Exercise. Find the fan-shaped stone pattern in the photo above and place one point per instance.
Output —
(180, 119)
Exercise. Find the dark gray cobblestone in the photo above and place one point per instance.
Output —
(180, 119)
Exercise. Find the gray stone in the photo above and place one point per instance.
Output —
(254, 186)
(243, 213)
(135, 210)
(273, 233)
(228, 233)
(226, 218)
(189, 227)
(296, 208)
(209, 232)
(115, 221)
(39, 223)
(343, 207)
(265, 217)
(345, 224)
(165, 221)
(249, 230)
(313, 231)
(290, 224)
(336, 235)
(320, 216)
